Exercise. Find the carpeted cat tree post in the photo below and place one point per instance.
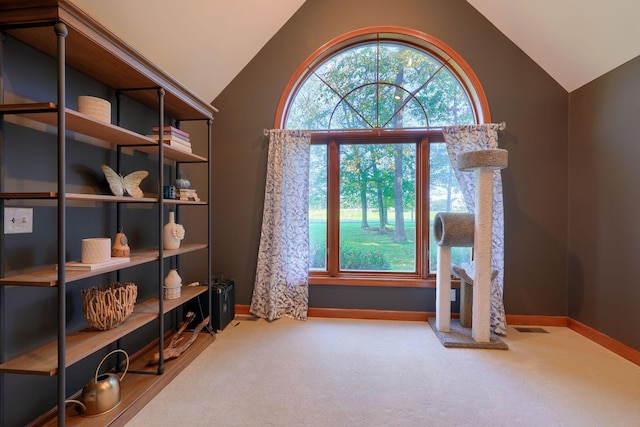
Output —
(470, 230)
(450, 230)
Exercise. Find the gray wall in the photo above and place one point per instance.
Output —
(532, 104)
(604, 231)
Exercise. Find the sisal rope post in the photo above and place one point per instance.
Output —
(481, 308)
(483, 163)
(443, 289)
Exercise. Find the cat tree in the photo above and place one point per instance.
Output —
(464, 230)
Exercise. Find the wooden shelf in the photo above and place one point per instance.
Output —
(79, 197)
(32, 195)
(80, 344)
(122, 69)
(111, 60)
(184, 202)
(46, 113)
(173, 154)
(136, 389)
(109, 198)
(48, 276)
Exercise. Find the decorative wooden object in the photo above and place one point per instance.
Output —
(172, 350)
(120, 246)
(107, 306)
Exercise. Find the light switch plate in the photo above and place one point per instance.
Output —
(18, 220)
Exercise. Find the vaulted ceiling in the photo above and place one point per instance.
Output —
(575, 41)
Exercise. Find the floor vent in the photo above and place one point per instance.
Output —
(531, 330)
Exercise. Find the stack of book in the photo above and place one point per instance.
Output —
(173, 137)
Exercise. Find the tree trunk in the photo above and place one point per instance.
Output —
(450, 176)
(381, 208)
(399, 234)
(363, 201)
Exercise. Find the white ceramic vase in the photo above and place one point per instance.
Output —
(173, 233)
(173, 279)
(172, 285)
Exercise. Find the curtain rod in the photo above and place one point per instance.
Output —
(354, 130)
(501, 126)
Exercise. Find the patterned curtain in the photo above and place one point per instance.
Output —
(282, 285)
(460, 139)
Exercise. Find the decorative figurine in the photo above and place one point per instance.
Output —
(129, 184)
(120, 245)
(183, 181)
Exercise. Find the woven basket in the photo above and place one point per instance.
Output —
(105, 307)
(172, 293)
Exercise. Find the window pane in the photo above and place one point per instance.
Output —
(313, 106)
(401, 64)
(318, 208)
(349, 69)
(377, 207)
(446, 101)
(345, 117)
(399, 110)
(383, 84)
(444, 196)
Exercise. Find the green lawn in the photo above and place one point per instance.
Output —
(368, 242)
(400, 255)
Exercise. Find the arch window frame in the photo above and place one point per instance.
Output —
(422, 137)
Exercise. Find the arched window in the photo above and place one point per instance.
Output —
(376, 100)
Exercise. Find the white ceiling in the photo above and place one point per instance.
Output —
(575, 41)
(204, 44)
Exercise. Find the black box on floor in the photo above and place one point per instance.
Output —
(222, 300)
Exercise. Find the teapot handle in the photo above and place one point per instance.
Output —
(117, 350)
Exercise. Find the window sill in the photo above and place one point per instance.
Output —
(383, 281)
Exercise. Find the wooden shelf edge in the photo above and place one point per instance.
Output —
(137, 389)
(173, 154)
(78, 197)
(183, 249)
(80, 344)
(29, 107)
(86, 125)
(109, 198)
(48, 276)
(184, 202)
(30, 195)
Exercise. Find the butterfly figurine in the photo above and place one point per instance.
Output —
(129, 184)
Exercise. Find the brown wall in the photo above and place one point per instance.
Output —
(604, 235)
(532, 104)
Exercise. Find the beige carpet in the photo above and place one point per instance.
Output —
(336, 372)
